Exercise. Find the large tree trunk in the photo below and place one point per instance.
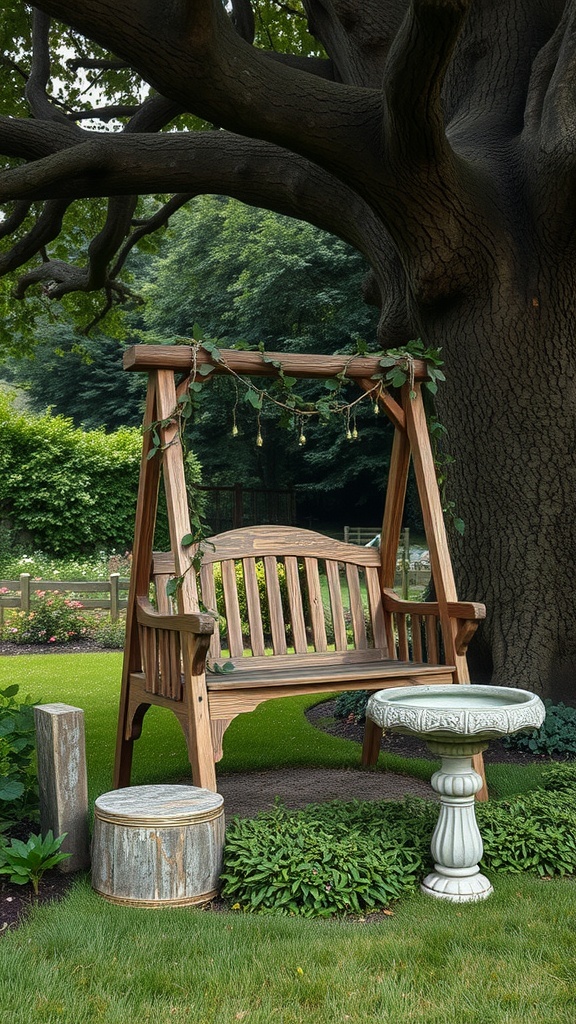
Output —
(509, 406)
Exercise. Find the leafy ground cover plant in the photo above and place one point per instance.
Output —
(350, 706)
(28, 862)
(354, 858)
(18, 783)
(329, 859)
(556, 737)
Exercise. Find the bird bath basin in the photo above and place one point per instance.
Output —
(456, 721)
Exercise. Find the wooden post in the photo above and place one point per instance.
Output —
(114, 595)
(25, 591)
(198, 731)
(139, 582)
(62, 780)
(441, 564)
(394, 507)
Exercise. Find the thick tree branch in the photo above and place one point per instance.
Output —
(46, 228)
(356, 37)
(192, 54)
(105, 114)
(558, 126)
(13, 221)
(414, 77)
(36, 91)
(193, 164)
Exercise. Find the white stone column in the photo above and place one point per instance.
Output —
(456, 842)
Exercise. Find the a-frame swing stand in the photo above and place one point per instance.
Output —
(269, 583)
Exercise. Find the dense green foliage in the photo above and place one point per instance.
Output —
(351, 705)
(63, 489)
(341, 858)
(78, 376)
(556, 737)
(327, 859)
(18, 785)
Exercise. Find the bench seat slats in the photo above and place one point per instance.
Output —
(318, 621)
(356, 607)
(370, 673)
(376, 610)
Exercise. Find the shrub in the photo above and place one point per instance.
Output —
(350, 706)
(556, 737)
(107, 633)
(559, 776)
(535, 832)
(327, 859)
(18, 784)
(65, 489)
(356, 857)
(53, 619)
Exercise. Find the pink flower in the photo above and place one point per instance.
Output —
(52, 640)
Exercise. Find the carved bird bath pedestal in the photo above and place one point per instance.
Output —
(456, 722)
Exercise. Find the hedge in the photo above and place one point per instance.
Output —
(63, 489)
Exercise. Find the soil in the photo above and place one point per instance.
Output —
(247, 794)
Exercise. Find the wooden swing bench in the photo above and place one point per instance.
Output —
(290, 611)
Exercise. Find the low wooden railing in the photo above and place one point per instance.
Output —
(19, 593)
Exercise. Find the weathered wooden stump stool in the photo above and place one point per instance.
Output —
(158, 846)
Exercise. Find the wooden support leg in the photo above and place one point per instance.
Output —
(371, 744)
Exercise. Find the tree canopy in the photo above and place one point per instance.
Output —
(435, 136)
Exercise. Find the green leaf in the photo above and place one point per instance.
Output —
(254, 398)
(10, 691)
(173, 586)
(187, 540)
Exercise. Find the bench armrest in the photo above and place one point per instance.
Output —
(193, 622)
(468, 614)
(456, 609)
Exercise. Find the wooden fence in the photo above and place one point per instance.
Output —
(406, 575)
(19, 593)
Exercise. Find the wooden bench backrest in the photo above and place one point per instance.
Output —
(319, 594)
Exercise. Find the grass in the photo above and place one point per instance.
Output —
(276, 735)
(507, 961)
(82, 961)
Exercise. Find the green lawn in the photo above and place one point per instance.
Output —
(508, 960)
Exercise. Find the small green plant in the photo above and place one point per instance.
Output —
(329, 859)
(18, 785)
(350, 706)
(534, 832)
(53, 619)
(28, 862)
(559, 776)
(556, 737)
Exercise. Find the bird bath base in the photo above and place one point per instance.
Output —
(456, 722)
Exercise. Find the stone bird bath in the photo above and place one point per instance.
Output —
(456, 722)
